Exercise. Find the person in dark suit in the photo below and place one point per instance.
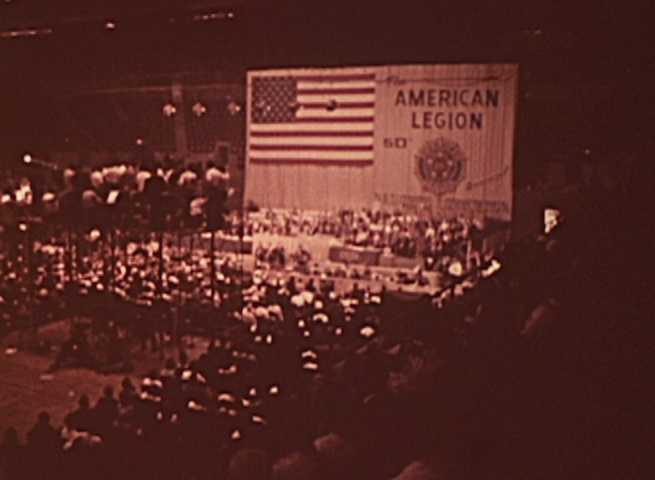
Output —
(82, 418)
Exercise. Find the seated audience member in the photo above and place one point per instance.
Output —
(106, 410)
(13, 463)
(43, 437)
(81, 419)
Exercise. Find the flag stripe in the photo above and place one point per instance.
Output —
(334, 85)
(313, 148)
(318, 155)
(317, 133)
(342, 91)
(313, 140)
(368, 119)
(324, 105)
(335, 77)
(314, 161)
(339, 98)
(358, 113)
(307, 126)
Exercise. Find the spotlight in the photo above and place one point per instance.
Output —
(109, 25)
(199, 109)
(233, 107)
(169, 110)
(27, 158)
(139, 141)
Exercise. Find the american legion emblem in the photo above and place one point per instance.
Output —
(440, 166)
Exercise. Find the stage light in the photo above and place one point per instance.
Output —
(169, 110)
(233, 107)
(199, 109)
(139, 141)
(27, 158)
(109, 25)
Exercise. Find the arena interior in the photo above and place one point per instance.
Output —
(253, 240)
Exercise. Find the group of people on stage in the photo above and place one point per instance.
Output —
(401, 234)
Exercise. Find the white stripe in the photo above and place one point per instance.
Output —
(337, 112)
(312, 155)
(332, 84)
(323, 72)
(291, 140)
(312, 127)
(345, 98)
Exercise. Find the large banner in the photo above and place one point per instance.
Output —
(420, 138)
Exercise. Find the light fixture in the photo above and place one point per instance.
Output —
(27, 158)
(199, 109)
(233, 107)
(169, 110)
(110, 25)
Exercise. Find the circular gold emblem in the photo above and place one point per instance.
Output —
(440, 165)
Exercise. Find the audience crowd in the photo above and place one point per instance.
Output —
(299, 381)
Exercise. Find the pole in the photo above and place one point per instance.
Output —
(160, 259)
(212, 247)
(112, 258)
(68, 254)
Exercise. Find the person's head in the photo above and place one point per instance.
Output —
(108, 391)
(127, 383)
(84, 401)
(44, 417)
(184, 358)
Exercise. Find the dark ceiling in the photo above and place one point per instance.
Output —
(587, 68)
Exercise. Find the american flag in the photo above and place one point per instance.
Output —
(324, 118)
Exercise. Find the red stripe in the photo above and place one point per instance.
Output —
(335, 91)
(312, 161)
(324, 105)
(336, 77)
(312, 134)
(315, 148)
(334, 119)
